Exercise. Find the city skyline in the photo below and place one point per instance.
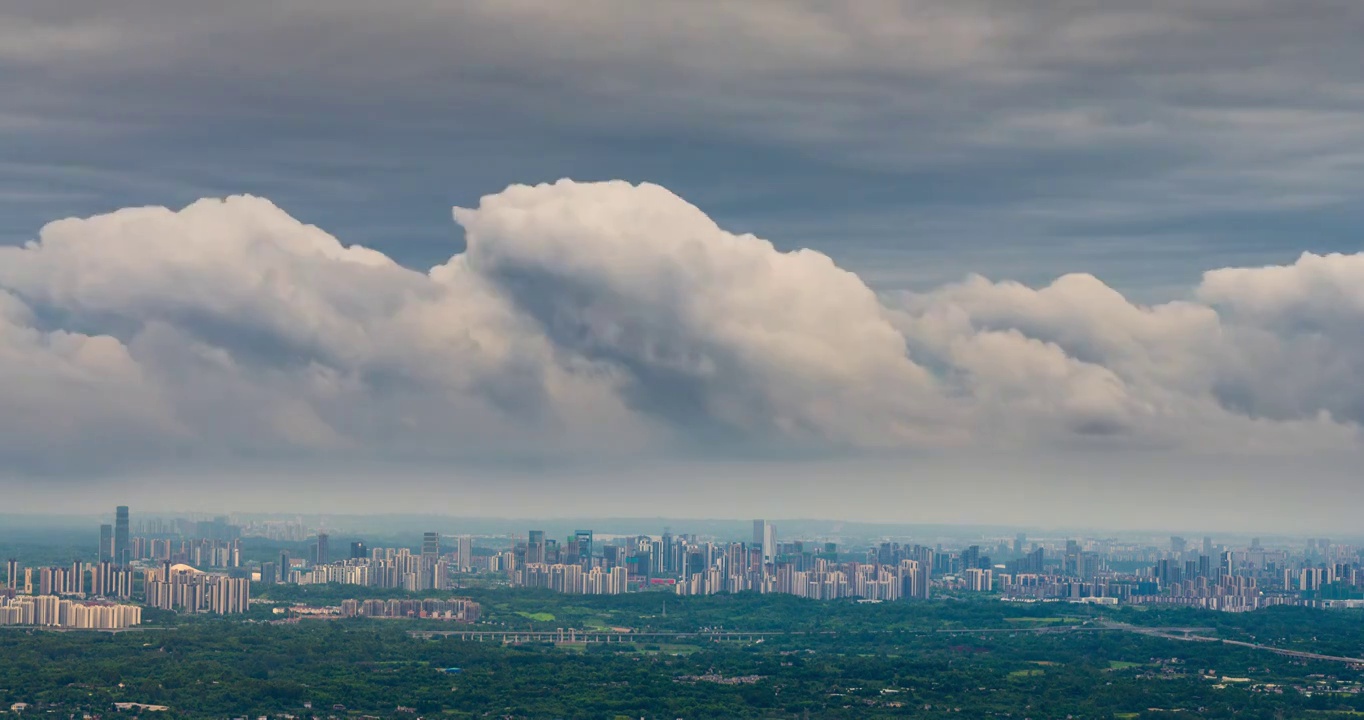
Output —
(187, 565)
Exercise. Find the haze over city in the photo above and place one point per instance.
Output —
(1011, 263)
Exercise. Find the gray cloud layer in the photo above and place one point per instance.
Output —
(1092, 134)
(609, 319)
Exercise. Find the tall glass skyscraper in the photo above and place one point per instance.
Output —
(321, 551)
(535, 547)
(121, 535)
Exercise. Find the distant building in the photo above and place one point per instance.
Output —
(106, 542)
(583, 540)
(535, 547)
(320, 549)
(121, 548)
(465, 552)
(765, 538)
(53, 611)
(431, 544)
(185, 589)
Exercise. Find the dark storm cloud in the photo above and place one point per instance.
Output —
(948, 128)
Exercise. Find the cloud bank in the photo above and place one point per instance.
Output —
(610, 319)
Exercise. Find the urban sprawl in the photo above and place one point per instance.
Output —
(196, 567)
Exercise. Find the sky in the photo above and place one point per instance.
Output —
(966, 261)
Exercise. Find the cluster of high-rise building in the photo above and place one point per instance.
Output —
(161, 571)
(1199, 575)
(1109, 571)
(397, 568)
(164, 564)
(823, 581)
(77, 579)
(573, 579)
(58, 612)
(281, 530)
(186, 589)
(695, 567)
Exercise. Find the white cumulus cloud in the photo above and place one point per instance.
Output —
(601, 318)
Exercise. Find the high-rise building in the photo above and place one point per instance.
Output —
(535, 547)
(121, 555)
(106, 542)
(12, 576)
(979, 580)
(970, 557)
(320, 550)
(75, 580)
(765, 537)
(431, 544)
(466, 552)
(583, 539)
(358, 551)
(284, 567)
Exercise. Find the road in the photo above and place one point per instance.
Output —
(1188, 636)
(1183, 634)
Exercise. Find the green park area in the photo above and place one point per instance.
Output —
(673, 659)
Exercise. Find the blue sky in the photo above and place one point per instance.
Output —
(914, 143)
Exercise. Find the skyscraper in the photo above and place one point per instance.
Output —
(106, 542)
(583, 538)
(535, 547)
(765, 537)
(466, 551)
(431, 544)
(121, 535)
(12, 576)
(320, 550)
(358, 551)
